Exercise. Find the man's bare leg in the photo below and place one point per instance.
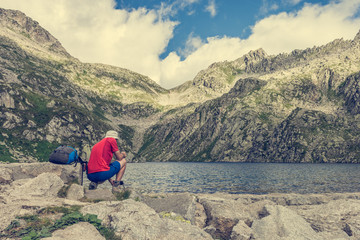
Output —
(120, 174)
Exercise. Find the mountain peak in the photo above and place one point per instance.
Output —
(250, 58)
(255, 55)
(357, 37)
(20, 24)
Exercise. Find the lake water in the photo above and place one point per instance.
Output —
(255, 178)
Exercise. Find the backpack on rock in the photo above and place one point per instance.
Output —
(68, 155)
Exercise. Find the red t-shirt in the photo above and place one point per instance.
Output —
(101, 155)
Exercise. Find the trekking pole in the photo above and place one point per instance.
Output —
(83, 168)
(82, 174)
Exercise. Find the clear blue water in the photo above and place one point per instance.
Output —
(255, 178)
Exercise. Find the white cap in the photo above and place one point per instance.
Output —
(112, 134)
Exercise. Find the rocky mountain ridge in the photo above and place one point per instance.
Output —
(296, 107)
(101, 79)
(17, 25)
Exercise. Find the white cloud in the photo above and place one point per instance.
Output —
(211, 8)
(267, 7)
(94, 31)
(191, 12)
(293, 2)
(312, 25)
(175, 71)
(172, 8)
(192, 44)
(274, 7)
(185, 3)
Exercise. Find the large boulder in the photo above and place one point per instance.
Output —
(24, 196)
(282, 223)
(79, 231)
(183, 204)
(224, 211)
(339, 217)
(75, 192)
(16, 171)
(134, 220)
(241, 231)
(5, 176)
(44, 185)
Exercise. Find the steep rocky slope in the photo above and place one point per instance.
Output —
(48, 98)
(297, 107)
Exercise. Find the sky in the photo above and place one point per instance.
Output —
(171, 41)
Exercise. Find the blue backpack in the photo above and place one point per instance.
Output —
(68, 155)
(64, 155)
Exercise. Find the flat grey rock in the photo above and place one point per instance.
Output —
(183, 204)
(99, 194)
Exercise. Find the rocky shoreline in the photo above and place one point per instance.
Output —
(28, 189)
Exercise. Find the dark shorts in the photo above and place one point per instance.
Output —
(105, 175)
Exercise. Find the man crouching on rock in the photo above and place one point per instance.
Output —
(100, 167)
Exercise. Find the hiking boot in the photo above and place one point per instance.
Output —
(118, 186)
(93, 186)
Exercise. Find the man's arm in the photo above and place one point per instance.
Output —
(120, 155)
